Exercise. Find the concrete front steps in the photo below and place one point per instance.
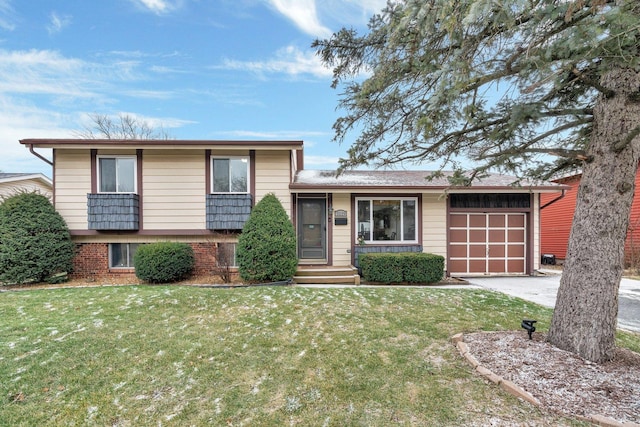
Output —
(327, 275)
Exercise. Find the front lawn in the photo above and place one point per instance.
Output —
(163, 355)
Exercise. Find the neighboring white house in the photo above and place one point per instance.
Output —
(13, 183)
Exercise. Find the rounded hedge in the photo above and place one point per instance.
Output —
(266, 250)
(163, 262)
(35, 244)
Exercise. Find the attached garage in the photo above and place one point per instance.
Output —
(488, 234)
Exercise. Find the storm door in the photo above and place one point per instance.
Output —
(312, 228)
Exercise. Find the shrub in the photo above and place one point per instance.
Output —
(164, 262)
(385, 267)
(266, 248)
(412, 267)
(35, 244)
(423, 268)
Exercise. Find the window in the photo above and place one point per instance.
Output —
(226, 256)
(121, 255)
(230, 175)
(117, 174)
(389, 220)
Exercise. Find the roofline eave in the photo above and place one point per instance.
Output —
(422, 189)
(160, 144)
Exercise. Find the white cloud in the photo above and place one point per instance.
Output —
(149, 94)
(42, 72)
(7, 15)
(158, 7)
(57, 22)
(303, 14)
(46, 72)
(289, 60)
(310, 15)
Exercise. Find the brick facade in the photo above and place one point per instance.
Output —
(205, 255)
(91, 262)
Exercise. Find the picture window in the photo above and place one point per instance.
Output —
(388, 220)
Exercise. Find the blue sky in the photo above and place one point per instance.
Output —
(201, 69)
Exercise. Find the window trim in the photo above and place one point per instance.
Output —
(247, 158)
(400, 241)
(117, 156)
(129, 257)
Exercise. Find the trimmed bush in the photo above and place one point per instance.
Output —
(266, 250)
(164, 262)
(35, 244)
(423, 268)
(384, 267)
(412, 267)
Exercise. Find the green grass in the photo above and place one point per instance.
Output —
(161, 355)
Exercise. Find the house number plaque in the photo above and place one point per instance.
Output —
(340, 217)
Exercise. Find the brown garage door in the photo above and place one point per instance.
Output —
(487, 243)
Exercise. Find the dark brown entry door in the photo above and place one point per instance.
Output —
(312, 228)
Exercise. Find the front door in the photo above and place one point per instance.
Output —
(312, 228)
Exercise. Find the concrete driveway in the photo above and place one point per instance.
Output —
(544, 289)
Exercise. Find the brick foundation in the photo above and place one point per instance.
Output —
(205, 255)
(92, 262)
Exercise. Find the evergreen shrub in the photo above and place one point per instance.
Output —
(266, 250)
(384, 267)
(35, 244)
(411, 267)
(422, 267)
(164, 262)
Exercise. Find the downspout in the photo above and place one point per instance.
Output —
(554, 200)
(40, 156)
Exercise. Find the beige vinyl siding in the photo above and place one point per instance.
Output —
(342, 233)
(434, 224)
(273, 176)
(536, 232)
(173, 190)
(8, 189)
(72, 184)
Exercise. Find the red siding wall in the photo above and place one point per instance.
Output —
(556, 219)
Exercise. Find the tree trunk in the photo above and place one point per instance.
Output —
(585, 318)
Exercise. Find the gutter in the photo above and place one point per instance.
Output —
(554, 200)
(40, 156)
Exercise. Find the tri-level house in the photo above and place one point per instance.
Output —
(118, 194)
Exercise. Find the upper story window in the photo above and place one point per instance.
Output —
(230, 174)
(117, 174)
(387, 220)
